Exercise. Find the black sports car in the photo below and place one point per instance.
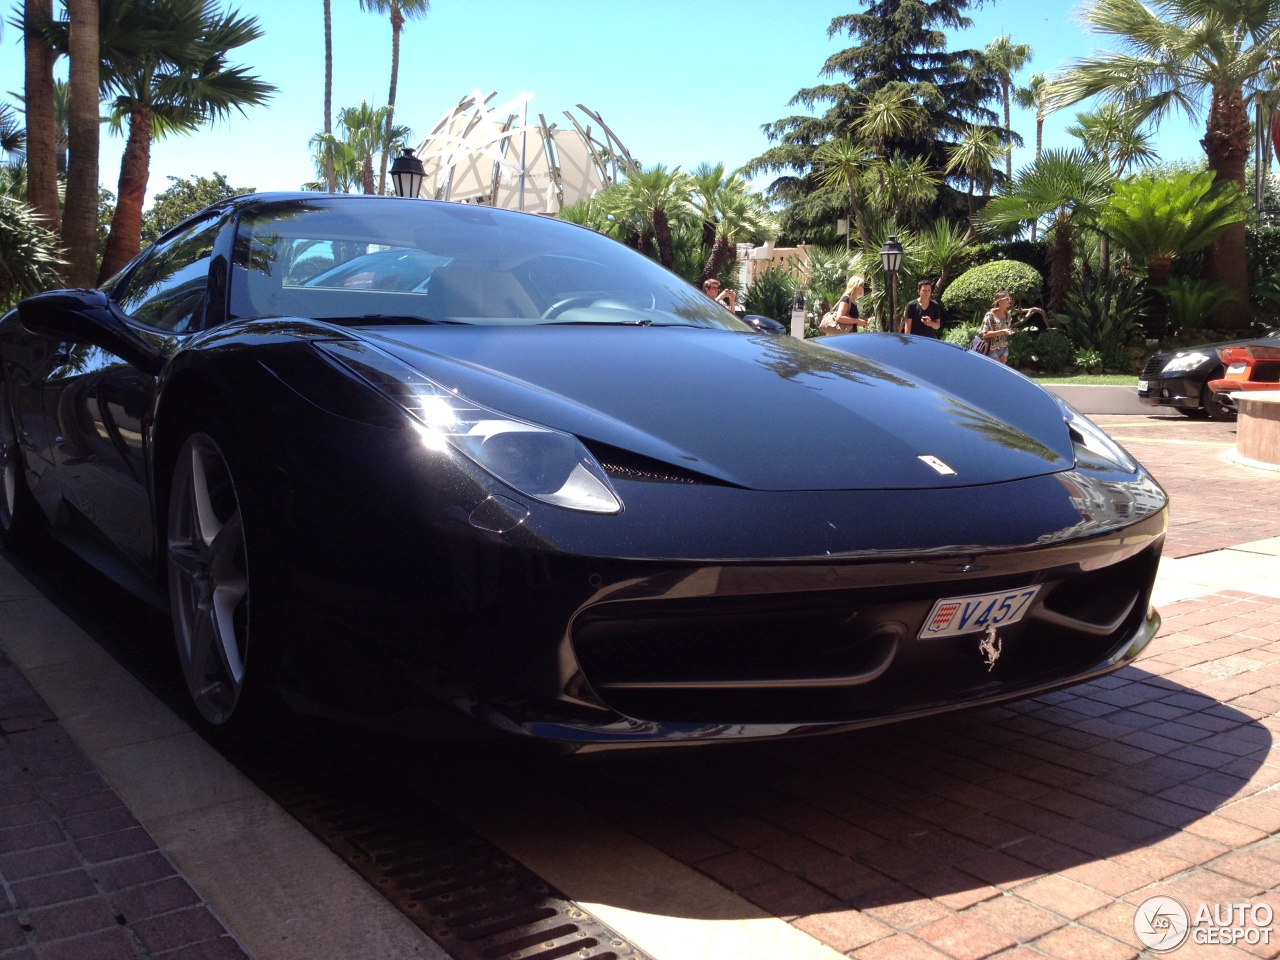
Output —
(509, 469)
(1179, 378)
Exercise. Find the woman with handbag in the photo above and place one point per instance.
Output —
(843, 317)
(997, 327)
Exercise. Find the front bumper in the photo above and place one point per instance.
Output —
(1182, 393)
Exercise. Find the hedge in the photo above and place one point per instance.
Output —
(970, 294)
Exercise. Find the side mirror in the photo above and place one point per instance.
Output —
(88, 316)
(764, 324)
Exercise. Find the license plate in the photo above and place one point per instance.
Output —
(955, 616)
(1142, 386)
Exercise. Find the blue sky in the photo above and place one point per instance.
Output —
(678, 82)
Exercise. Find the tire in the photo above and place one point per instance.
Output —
(20, 517)
(1214, 409)
(222, 649)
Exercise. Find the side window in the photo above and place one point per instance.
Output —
(166, 291)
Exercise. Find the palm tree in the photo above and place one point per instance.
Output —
(906, 187)
(167, 65)
(845, 162)
(13, 136)
(42, 174)
(1176, 55)
(364, 136)
(29, 259)
(653, 198)
(1005, 58)
(329, 174)
(1032, 97)
(974, 159)
(338, 168)
(1066, 186)
(891, 113)
(80, 218)
(742, 216)
(1110, 135)
(1158, 218)
(707, 182)
(400, 11)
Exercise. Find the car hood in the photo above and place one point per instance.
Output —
(766, 413)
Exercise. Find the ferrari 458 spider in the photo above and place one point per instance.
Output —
(409, 462)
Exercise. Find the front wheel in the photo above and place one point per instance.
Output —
(1215, 408)
(210, 592)
(20, 517)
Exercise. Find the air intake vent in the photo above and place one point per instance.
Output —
(631, 466)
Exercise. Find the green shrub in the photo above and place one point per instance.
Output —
(1263, 246)
(961, 333)
(1088, 360)
(969, 296)
(1102, 312)
(1022, 349)
(1052, 351)
(771, 295)
(1189, 303)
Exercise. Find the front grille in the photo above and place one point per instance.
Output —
(1154, 365)
(837, 656)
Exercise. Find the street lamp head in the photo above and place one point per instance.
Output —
(891, 255)
(407, 173)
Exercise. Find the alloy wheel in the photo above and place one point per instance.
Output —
(208, 578)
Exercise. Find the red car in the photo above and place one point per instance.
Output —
(1248, 368)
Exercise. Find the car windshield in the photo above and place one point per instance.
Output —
(377, 260)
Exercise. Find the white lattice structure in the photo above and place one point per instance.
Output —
(501, 158)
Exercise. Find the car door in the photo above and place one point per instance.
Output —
(102, 401)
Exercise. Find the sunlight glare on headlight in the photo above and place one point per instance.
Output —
(542, 463)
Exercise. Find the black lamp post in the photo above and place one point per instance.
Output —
(407, 173)
(891, 260)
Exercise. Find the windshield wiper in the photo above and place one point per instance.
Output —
(599, 323)
(393, 318)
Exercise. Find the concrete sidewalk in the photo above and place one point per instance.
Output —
(122, 834)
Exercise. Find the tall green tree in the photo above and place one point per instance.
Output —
(1185, 55)
(1065, 187)
(1033, 97)
(1005, 59)
(184, 197)
(362, 136)
(974, 158)
(1111, 135)
(165, 67)
(42, 174)
(80, 216)
(399, 11)
(896, 42)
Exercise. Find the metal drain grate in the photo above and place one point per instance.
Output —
(463, 892)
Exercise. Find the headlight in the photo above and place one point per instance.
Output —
(1186, 362)
(542, 463)
(1091, 442)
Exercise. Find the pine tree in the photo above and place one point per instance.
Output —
(897, 43)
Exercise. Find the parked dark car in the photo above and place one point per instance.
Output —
(546, 485)
(1180, 378)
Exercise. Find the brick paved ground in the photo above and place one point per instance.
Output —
(1027, 830)
(81, 879)
(1214, 503)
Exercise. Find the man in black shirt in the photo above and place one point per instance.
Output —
(923, 316)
